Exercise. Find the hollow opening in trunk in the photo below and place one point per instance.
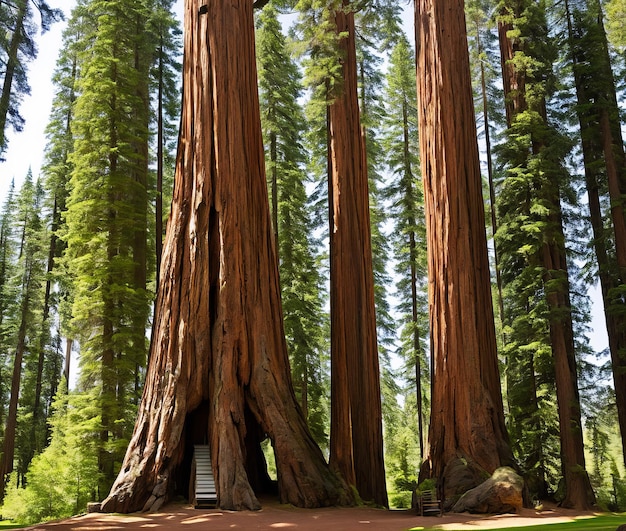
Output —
(256, 464)
(262, 477)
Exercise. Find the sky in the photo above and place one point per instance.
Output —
(25, 149)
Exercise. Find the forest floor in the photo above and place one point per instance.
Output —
(178, 517)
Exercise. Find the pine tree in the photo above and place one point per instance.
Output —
(283, 124)
(26, 287)
(47, 365)
(532, 234)
(58, 167)
(16, 20)
(165, 72)
(7, 264)
(107, 217)
(407, 210)
(605, 168)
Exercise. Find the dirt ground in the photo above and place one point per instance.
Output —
(273, 516)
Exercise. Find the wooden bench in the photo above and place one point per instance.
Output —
(429, 504)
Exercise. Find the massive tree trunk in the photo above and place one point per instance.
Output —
(356, 446)
(219, 370)
(467, 418)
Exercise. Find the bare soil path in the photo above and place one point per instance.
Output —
(273, 516)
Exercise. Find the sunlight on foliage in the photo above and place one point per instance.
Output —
(63, 478)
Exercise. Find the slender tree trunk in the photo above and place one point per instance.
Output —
(492, 188)
(467, 418)
(159, 174)
(8, 449)
(411, 193)
(553, 260)
(219, 369)
(274, 187)
(354, 350)
(602, 149)
(416, 340)
(68, 360)
(43, 338)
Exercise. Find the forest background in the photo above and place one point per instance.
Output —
(26, 148)
(403, 451)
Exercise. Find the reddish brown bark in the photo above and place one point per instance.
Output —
(219, 370)
(356, 418)
(467, 418)
(8, 446)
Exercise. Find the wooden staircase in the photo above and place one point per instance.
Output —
(204, 494)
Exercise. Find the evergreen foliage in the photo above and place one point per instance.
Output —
(63, 478)
(17, 48)
(616, 14)
(77, 249)
(7, 264)
(404, 193)
(538, 318)
(107, 218)
(21, 327)
(301, 284)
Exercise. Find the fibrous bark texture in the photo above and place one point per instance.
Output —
(467, 418)
(219, 370)
(356, 418)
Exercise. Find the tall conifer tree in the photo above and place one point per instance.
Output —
(407, 211)
(467, 418)
(532, 228)
(26, 287)
(283, 124)
(107, 217)
(331, 68)
(7, 263)
(224, 375)
(17, 21)
(605, 174)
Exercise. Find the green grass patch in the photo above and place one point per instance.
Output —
(8, 524)
(608, 522)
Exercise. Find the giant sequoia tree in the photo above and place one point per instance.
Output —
(356, 420)
(467, 418)
(219, 370)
